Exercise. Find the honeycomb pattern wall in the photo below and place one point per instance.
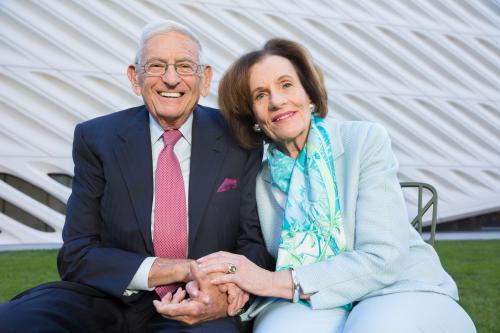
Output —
(428, 70)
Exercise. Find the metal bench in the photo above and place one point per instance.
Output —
(423, 208)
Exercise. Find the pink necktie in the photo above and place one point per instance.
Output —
(170, 229)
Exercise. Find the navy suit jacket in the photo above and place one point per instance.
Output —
(107, 233)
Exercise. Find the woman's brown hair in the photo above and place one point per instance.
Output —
(235, 100)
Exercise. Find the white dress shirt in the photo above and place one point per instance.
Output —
(182, 150)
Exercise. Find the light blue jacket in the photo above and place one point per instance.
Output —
(386, 255)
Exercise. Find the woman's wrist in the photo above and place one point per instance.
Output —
(281, 284)
(295, 286)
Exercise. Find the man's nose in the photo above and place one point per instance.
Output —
(170, 77)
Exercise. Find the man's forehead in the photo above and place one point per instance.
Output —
(171, 44)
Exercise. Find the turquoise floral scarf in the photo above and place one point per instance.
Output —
(313, 229)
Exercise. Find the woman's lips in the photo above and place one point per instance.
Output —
(283, 116)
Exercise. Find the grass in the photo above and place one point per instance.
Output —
(475, 266)
(21, 270)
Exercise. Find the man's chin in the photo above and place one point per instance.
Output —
(171, 117)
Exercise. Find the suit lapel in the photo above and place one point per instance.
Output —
(207, 154)
(133, 152)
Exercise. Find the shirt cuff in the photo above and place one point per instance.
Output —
(140, 279)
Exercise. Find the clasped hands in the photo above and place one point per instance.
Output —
(201, 300)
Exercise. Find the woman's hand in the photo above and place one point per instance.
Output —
(248, 276)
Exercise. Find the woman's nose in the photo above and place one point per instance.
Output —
(276, 100)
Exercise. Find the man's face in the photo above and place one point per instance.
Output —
(170, 98)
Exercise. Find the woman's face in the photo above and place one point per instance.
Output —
(280, 103)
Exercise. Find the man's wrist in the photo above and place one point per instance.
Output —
(167, 271)
(182, 271)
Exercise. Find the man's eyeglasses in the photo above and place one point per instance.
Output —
(183, 67)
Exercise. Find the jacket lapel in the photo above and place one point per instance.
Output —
(207, 154)
(133, 152)
(333, 128)
(335, 138)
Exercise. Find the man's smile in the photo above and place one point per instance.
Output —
(171, 94)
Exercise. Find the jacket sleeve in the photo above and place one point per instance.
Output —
(83, 258)
(381, 232)
(250, 241)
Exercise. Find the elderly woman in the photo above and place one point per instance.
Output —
(332, 212)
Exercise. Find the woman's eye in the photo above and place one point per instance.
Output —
(259, 96)
(287, 85)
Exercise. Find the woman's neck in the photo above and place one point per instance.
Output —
(291, 149)
(294, 146)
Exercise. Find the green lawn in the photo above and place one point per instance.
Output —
(475, 266)
(23, 269)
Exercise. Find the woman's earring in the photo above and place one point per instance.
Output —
(256, 128)
(312, 108)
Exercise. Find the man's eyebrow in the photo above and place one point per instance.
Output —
(176, 60)
(155, 59)
(184, 59)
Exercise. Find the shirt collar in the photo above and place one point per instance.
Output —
(156, 130)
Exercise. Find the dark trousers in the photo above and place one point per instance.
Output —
(70, 307)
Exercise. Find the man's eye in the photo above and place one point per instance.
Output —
(184, 65)
(156, 65)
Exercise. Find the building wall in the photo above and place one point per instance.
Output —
(428, 70)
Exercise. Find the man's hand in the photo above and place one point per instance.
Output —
(167, 271)
(236, 298)
(206, 302)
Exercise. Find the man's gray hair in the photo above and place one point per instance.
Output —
(159, 27)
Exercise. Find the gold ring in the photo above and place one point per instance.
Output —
(231, 269)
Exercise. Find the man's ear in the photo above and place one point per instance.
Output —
(206, 79)
(134, 80)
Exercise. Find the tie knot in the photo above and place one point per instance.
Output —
(171, 137)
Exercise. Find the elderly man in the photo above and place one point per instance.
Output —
(154, 185)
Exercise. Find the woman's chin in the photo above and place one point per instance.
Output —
(292, 133)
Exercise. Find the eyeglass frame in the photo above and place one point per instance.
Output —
(199, 67)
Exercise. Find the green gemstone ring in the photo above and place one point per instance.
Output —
(231, 269)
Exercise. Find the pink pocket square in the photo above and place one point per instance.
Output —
(228, 184)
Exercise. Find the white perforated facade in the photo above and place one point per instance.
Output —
(428, 70)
